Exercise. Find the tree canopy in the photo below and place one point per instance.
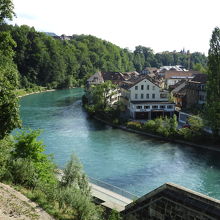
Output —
(213, 85)
(6, 10)
(47, 61)
(9, 78)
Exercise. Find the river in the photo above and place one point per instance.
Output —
(132, 162)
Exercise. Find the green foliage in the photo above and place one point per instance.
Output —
(149, 125)
(23, 172)
(134, 124)
(77, 204)
(195, 131)
(144, 57)
(23, 163)
(9, 109)
(114, 215)
(213, 86)
(28, 152)
(27, 146)
(6, 146)
(73, 176)
(6, 10)
(54, 63)
(199, 67)
(99, 94)
(166, 127)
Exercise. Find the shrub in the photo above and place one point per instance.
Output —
(74, 176)
(149, 125)
(134, 124)
(6, 146)
(114, 215)
(29, 151)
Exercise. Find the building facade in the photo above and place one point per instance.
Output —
(146, 100)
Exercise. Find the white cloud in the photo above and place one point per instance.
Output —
(159, 24)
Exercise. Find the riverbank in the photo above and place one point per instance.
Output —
(212, 148)
(31, 93)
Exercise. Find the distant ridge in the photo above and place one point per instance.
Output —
(50, 34)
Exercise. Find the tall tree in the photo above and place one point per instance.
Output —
(6, 10)
(9, 111)
(213, 86)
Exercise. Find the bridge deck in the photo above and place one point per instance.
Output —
(110, 199)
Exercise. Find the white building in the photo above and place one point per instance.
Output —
(146, 100)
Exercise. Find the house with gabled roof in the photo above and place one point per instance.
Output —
(145, 99)
(141, 94)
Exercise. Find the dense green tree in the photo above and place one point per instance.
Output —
(199, 67)
(74, 176)
(29, 152)
(9, 80)
(55, 63)
(6, 10)
(99, 95)
(213, 85)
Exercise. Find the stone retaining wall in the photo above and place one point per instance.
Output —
(173, 202)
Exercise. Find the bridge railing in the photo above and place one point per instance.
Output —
(113, 188)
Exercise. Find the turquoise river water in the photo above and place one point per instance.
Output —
(132, 162)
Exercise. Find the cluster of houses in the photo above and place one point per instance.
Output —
(154, 92)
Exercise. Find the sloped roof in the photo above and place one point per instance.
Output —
(138, 79)
(180, 89)
(200, 78)
(95, 78)
(187, 198)
(129, 75)
(112, 76)
(179, 74)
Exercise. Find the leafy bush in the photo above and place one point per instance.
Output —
(74, 177)
(24, 172)
(114, 215)
(194, 132)
(6, 146)
(134, 124)
(149, 125)
(28, 152)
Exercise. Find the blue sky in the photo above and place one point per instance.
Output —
(159, 24)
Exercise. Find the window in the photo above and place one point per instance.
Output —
(136, 96)
(147, 96)
(170, 106)
(153, 96)
(148, 87)
(142, 96)
(139, 107)
(155, 106)
(136, 87)
(162, 106)
(153, 87)
(142, 87)
(146, 107)
(201, 97)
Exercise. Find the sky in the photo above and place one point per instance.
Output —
(163, 25)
